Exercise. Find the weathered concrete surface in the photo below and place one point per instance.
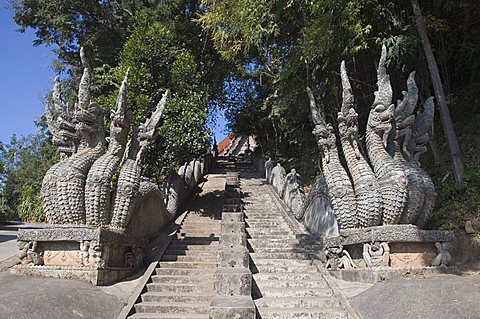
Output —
(23, 297)
(439, 297)
(8, 238)
(232, 308)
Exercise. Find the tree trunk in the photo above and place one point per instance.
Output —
(439, 95)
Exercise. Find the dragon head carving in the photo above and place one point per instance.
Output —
(120, 120)
(60, 123)
(88, 115)
(382, 112)
(323, 131)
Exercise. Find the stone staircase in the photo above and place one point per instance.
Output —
(182, 284)
(286, 281)
(287, 284)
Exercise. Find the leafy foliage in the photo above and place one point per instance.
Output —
(288, 45)
(25, 160)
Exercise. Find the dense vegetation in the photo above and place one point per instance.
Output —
(254, 59)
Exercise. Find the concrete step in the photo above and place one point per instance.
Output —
(168, 316)
(198, 248)
(302, 313)
(267, 223)
(271, 249)
(195, 241)
(200, 223)
(281, 262)
(256, 232)
(206, 235)
(277, 269)
(290, 284)
(180, 264)
(175, 279)
(171, 297)
(196, 229)
(205, 253)
(189, 258)
(297, 302)
(266, 237)
(173, 307)
(249, 216)
(183, 271)
(296, 292)
(282, 276)
(181, 288)
(278, 255)
(275, 241)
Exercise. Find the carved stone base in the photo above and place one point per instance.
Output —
(99, 255)
(389, 247)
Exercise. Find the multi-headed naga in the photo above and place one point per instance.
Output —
(397, 189)
(340, 188)
(64, 183)
(390, 175)
(413, 132)
(99, 178)
(365, 183)
(129, 180)
(78, 189)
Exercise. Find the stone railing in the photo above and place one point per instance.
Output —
(314, 211)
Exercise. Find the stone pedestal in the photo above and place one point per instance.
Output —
(359, 252)
(99, 255)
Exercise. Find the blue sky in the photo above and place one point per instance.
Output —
(26, 76)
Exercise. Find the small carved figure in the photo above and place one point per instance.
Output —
(294, 194)
(376, 254)
(84, 253)
(268, 170)
(97, 255)
(28, 253)
(134, 258)
(338, 258)
(278, 179)
(443, 257)
(137, 251)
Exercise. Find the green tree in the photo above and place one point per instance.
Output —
(25, 161)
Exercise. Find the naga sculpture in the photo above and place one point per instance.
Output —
(393, 188)
(63, 185)
(412, 132)
(365, 184)
(340, 188)
(97, 203)
(78, 189)
(129, 179)
(389, 173)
